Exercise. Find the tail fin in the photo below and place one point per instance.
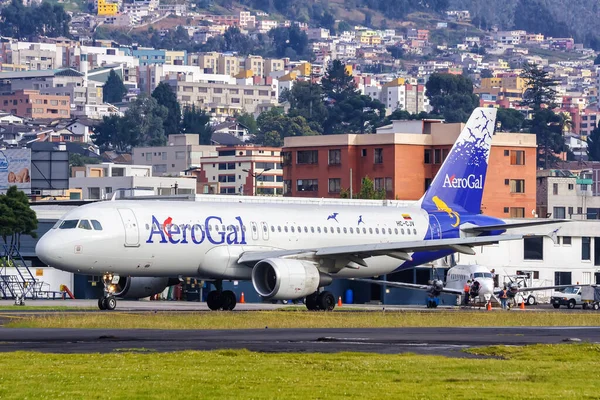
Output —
(458, 186)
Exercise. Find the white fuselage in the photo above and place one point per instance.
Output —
(459, 275)
(172, 238)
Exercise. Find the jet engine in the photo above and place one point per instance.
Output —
(286, 279)
(140, 287)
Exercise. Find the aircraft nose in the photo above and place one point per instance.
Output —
(487, 287)
(48, 250)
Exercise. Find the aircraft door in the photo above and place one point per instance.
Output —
(434, 227)
(265, 230)
(254, 229)
(132, 233)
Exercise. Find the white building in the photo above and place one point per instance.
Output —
(101, 181)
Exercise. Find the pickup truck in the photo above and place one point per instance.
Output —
(569, 297)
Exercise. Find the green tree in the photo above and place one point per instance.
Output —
(540, 88)
(114, 90)
(78, 160)
(486, 73)
(548, 127)
(593, 145)
(451, 96)
(343, 26)
(166, 97)
(248, 121)
(22, 22)
(274, 126)
(197, 121)
(141, 125)
(16, 217)
(367, 191)
(338, 83)
(290, 42)
(510, 120)
(306, 100)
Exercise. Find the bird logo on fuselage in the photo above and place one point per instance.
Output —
(441, 206)
(166, 225)
(334, 217)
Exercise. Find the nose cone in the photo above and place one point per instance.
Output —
(47, 250)
(487, 286)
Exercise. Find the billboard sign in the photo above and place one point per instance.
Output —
(15, 169)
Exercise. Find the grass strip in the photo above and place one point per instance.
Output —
(302, 319)
(532, 372)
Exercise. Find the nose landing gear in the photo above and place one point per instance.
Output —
(219, 299)
(108, 301)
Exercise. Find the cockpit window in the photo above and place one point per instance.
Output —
(57, 224)
(97, 226)
(85, 224)
(482, 275)
(69, 224)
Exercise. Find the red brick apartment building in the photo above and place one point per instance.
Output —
(405, 161)
(31, 104)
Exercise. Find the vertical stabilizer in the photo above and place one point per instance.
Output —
(458, 186)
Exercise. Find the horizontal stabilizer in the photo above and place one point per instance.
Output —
(470, 228)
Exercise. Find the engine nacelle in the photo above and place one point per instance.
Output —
(140, 287)
(285, 279)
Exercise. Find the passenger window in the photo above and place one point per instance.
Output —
(325, 229)
(292, 229)
(338, 229)
(253, 228)
(351, 230)
(279, 229)
(345, 231)
(408, 231)
(272, 228)
(85, 224)
(370, 231)
(415, 231)
(377, 231)
(306, 229)
(285, 229)
(390, 231)
(312, 229)
(365, 231)
(318, 229)
(69, 224)
(402, 231)
(265, 229)
(396, 231)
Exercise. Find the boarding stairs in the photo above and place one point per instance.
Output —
(16, 280)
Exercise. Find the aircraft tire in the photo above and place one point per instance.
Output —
(311, 302)
(531, 301)
(326, 301)
(101, 304)
(213, 300)
(110, 303)
(596, 306)
(228, 300)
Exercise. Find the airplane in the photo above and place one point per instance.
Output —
(288, 251)
(482, 288)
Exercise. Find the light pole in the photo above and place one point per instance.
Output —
(254, 176)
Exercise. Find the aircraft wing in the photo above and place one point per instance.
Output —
(470, 228)
(398, 250)
(534, 288)
(406, 285)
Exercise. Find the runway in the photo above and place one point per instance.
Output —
(434, 341)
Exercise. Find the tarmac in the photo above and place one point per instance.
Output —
(434, 341)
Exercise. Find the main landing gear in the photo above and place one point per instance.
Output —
(219, 299)
(324, 301)
(108, 301)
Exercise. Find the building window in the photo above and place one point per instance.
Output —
(378, 156)
(517, 186)
(517, 212)
(180, 155)
(335, 157)
(562, 278)
(286, 158)
(148, 156)
(506, 153)
(427, 183)
(533, 248)
(570, 212)
(517, 157)
(363, 152)
(226, 178)
(555, 188)
(378, 183)
(308, 157)
(570, 186)
(307, 185)
(586, 248)
(559, 213)
(388, 184)
(335, 185)
(427, 158)
(437, 156)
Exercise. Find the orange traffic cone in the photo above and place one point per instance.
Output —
(489, 306)
(522, 305)
(242, 299)
(340, 301)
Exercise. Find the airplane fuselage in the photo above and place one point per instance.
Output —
(171, 238)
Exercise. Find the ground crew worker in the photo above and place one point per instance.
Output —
(504, 297)
(467, 290)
